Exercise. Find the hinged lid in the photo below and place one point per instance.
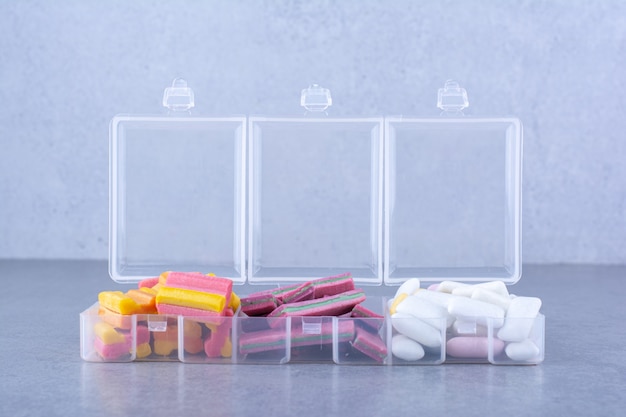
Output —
(315, 195)
(453, 195)
(386, 199)
(177, 190)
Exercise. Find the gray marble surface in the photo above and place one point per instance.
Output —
(584, 372)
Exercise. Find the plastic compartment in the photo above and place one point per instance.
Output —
(108, 337)
(259, 340)
(479, 343)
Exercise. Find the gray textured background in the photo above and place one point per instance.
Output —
(67, 67)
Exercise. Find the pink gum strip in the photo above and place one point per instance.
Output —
(372, 320)
(258, 304)
(200, 315)
(213, 344)
(303, 292)
(148, 282)
(279, 293)
(142, 335)
(111, 351)
(273, 339)
(370, 344)
(328, 306)
(333, 285)
(199, 282)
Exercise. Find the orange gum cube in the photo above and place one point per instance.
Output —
(144, 299)
(118, 302)
(119, 321)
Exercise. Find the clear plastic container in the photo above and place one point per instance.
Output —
(387, 199)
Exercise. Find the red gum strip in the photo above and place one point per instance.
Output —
(258, 304)
(373, 320)
(270, 339)
(345, 333)
(279, 293)
(262, 341)
(370, 344)
(303, 292)
(328, 306)
(333, 285)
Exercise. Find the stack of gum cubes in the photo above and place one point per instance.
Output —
(207, 298)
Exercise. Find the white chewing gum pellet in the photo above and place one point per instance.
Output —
(424, 310)
(468, 309)
(442, 299)
(498, 287)
(417, 330)
(408, 287)
(464, 291)
(406, 348)
(522, 351)
(491, 298)
(449, 286)
(520, 318)
(468, 328)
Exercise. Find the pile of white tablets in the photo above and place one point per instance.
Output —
(472, 322)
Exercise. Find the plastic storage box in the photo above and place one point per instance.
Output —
(278, 201)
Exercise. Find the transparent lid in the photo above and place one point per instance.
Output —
(287, 199)
(177, 192)
(315, 195)
(452, 195)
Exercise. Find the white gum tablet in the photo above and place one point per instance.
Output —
(408, 287)
(522, 351)
(497, 287)
(520, 318)
(491, 298)
(449, 286)
(481, 312)
(442, 299)
(417, 330)
(406, 348)
(425, 310)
